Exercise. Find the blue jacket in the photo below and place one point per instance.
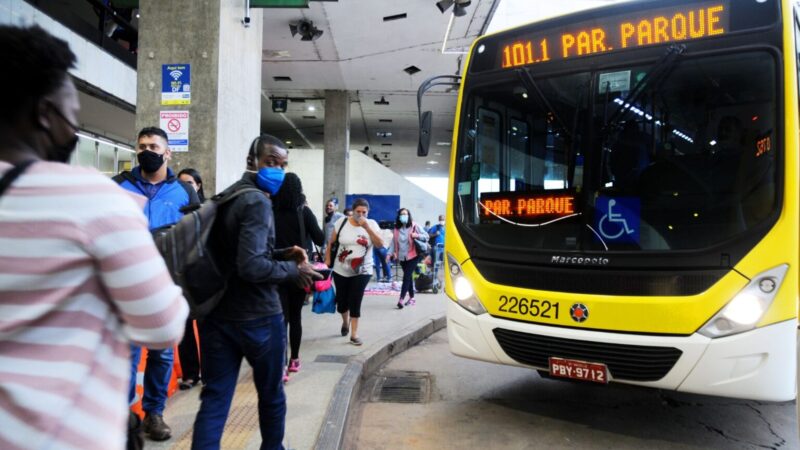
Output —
(164, 200)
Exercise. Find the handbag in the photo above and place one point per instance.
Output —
(335, 244)
(421, 246)
(324, 297)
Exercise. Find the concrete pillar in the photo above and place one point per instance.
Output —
(337, 146)
(225, 59)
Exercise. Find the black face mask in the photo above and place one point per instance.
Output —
(149, 161)
(61, 152)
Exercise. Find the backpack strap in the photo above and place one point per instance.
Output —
(226, 197)
(13, 174)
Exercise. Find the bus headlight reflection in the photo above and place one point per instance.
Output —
(465, 295)
(748, 306)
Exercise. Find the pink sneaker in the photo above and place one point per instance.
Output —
(411, 302)
(294, 365)
(285, 376)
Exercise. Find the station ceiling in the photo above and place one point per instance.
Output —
(372, 49)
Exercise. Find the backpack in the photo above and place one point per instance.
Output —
(189, 254)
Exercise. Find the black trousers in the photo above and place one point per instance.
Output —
(409, 266)
(350, 293)
(292, 303)
(189, 354)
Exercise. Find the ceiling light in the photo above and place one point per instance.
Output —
(306, 30)
(443, 144)
(312, 108)
(288, 142)
(433, 163)
(384, 134)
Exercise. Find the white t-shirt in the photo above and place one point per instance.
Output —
(355, 249)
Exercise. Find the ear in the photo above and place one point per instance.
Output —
(168, 154)
(41, 114)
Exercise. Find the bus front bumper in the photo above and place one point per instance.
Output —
(758, 365)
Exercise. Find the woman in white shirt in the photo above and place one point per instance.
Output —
(352, 264)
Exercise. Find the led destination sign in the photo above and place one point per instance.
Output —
(639, 29)
(526, 207)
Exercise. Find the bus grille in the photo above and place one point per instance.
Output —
(624, 362)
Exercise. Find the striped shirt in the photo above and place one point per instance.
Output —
(80, 278)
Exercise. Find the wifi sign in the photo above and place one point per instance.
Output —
(176, 84)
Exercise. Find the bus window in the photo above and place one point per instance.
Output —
(488, 143)
(520, 164)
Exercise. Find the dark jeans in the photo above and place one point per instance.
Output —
(157, 374)
(381, 265)
(409, 266)
(223, 344)
(188, 353)
(292, 303)
(350, 293)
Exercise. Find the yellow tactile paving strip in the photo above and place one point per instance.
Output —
(242, 420)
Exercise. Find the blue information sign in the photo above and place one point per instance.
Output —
(176, 86)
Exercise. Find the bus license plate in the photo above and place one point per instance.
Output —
(578, 370)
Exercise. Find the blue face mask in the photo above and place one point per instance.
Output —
(403, 219)
(270, 179)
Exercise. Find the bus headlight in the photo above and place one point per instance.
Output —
(465, 295)
(748, 306)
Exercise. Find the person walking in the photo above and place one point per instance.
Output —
(406, 231)
(188, 350)
(331, 216)
(166, 195)
(72, 297)
(295, 225)
(352, 264)
(248, 321)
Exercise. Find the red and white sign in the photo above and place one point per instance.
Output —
(176, 124)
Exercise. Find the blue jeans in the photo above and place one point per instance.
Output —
(379, 260)
(223, 345)
(157, 374)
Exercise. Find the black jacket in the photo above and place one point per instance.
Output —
(245, 237)
(287, 228)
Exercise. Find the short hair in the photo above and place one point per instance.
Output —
(260, 147)
(153, 131)
(360, 202)
(35, 64)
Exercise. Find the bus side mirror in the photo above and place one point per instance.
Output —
(424, 133)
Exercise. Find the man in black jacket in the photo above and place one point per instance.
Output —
(248, 322)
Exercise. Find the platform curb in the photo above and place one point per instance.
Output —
(331, 436)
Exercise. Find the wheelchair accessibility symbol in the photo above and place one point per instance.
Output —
(618, 219)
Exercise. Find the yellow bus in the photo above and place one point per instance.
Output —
(623, 203)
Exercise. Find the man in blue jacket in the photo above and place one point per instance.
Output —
(166, 195)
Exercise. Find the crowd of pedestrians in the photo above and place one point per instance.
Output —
(78, 256)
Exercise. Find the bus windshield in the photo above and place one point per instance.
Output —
(681, 155)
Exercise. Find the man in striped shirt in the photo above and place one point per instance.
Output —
(80, 277)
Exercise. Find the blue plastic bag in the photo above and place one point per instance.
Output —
(324, 301)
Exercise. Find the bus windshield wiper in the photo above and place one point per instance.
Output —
(527, 79)
(653, 78)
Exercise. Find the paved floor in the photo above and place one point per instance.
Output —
(324, 354)
(477, 405)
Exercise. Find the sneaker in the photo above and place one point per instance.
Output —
(411, 302)
(345, 330)
(285, 376)
(294, 365)
(155, 428)
(400, 304)
(355, 341)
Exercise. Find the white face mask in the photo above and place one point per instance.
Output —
(441, 223)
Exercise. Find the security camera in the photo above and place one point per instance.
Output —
(306, 30)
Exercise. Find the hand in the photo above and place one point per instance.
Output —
(306, 275)
(296, 254)
(361, 221)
